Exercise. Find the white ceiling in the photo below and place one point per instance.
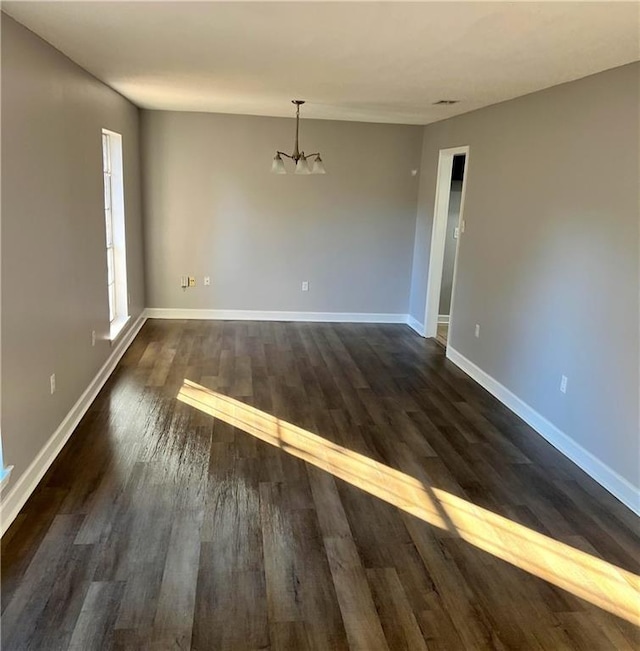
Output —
(374, 62)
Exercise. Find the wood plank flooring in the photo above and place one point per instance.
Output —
(354, 490)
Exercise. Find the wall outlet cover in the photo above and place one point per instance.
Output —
(563, 383)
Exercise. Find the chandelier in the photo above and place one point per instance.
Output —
(300, 159)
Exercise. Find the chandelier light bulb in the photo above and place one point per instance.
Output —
(277, 167)
(302, 166)
(318, 166)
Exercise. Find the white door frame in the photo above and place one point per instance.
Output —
(439, 236)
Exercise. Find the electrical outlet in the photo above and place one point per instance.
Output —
(184, 282)
(192, 281)
(477, 332)
(207, 281)
(563, 384)
(305, 285)
(52, 383)
(93, 337)
(456, 232)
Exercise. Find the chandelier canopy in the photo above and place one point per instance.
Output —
(300, 159)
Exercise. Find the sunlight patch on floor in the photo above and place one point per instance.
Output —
(601, 583)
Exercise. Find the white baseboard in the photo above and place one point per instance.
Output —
(19, 493)
(617, 485)
(262, 315)
(443, 318)
(414, 324)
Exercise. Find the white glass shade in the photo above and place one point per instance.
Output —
(318, 166)
(302, 166)
(277, 167)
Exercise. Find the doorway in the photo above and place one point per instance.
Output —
(448, 225)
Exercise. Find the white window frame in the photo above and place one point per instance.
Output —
(115, 235)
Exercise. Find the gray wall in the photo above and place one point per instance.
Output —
(449, 261)
(548, 265)
(53, 241)
(212, 207)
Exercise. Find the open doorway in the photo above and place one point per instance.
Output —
(447, 228)
(450, 248)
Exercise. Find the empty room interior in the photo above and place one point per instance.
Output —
(392, 405)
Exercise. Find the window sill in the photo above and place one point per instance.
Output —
(117, 327)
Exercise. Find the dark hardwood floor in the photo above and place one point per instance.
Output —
(354, 490)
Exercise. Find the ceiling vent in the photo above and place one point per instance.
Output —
(446, 101)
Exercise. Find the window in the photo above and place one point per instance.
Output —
(4, 472)
(115, 231)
